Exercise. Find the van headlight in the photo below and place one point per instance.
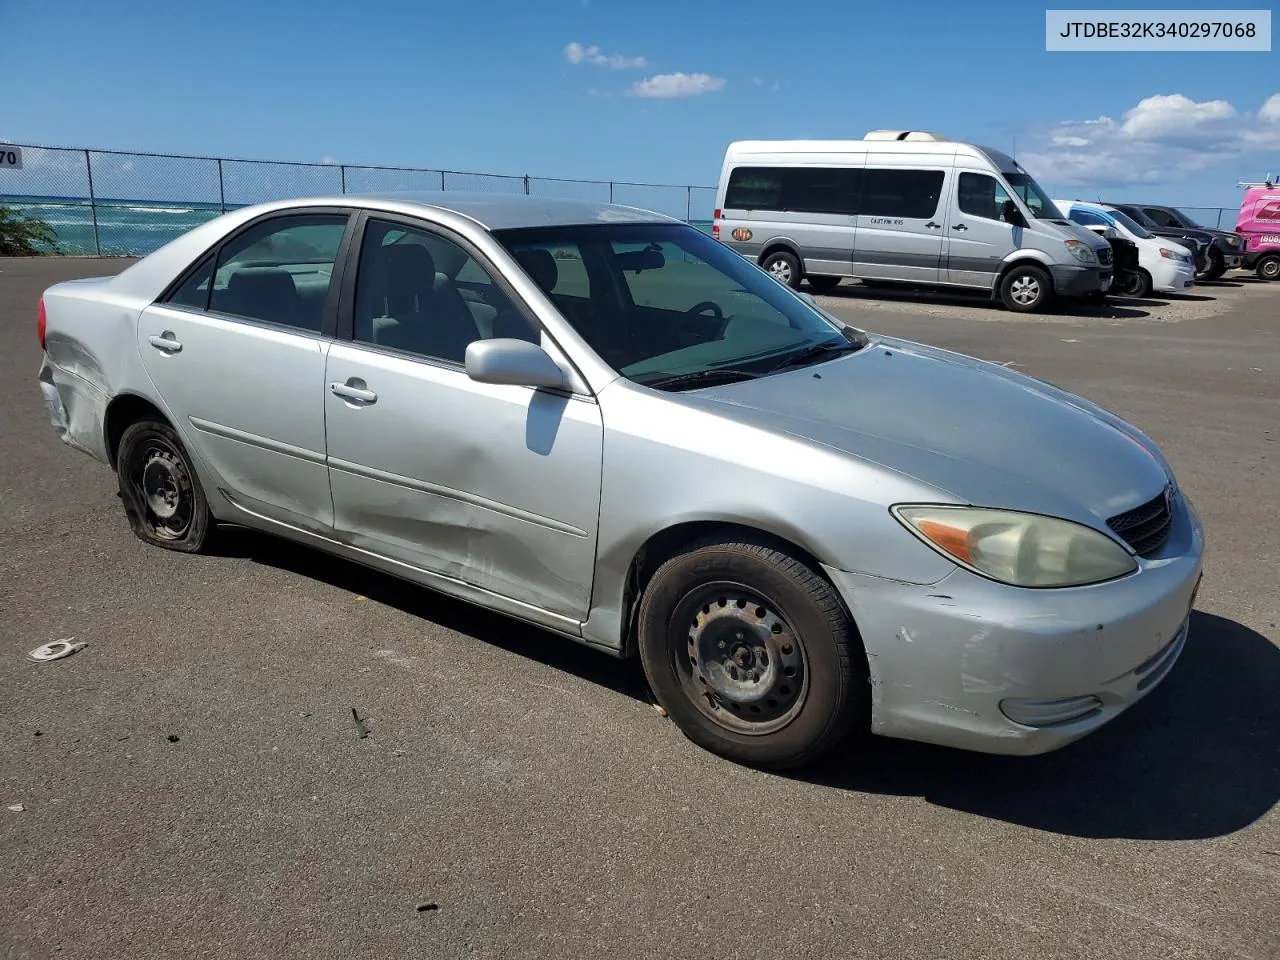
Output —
(1081, 251)
(1020, 549)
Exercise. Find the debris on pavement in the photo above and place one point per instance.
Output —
(17, 808)
(361, 730)
(427, 907)
(662, 711)
(54, 651)
(172, 738)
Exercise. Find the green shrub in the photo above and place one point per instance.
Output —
(23, 236)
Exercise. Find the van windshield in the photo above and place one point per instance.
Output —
(669, 307)
(1033, 196)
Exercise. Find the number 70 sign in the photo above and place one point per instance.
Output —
(10, 156)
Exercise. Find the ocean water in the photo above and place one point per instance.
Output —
(127, 227)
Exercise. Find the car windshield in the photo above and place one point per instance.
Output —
(1033, 196)
(1132, 225)
(667, 306)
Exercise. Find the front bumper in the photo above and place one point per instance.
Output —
(1170, 277)
(951, 663)
(1071, 280)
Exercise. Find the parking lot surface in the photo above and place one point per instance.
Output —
(192, 783)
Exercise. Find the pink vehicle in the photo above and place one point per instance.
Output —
(1259, 225)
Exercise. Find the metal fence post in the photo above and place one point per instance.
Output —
(222, 192)
(342, 168)
(688, 204)
(93, 204)
(611, 191)
(526, 184)
(442, 180)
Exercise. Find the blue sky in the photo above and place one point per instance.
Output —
(647, 91)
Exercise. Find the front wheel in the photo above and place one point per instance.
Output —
(783, 266)
(1268, 268)
(1026, 289)
(1215, 268)
(162, 496)
(752, 654)
(1136, 283)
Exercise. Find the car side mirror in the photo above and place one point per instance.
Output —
(1010, 213)
(516, 362)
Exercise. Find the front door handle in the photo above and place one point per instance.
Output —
(959, 226)
(166, 342)
(933, 226)
(354, 390)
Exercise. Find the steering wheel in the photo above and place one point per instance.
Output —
(706, 305)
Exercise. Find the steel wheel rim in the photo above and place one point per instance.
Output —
(1025, 290)
(1271, 269)
(738, 658)
(164, 490)
(781, 269)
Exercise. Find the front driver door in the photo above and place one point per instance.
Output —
(978, 241)
(494, 486)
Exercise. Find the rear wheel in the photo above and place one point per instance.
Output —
(1215, 268)
(784, 266)
(1268, 268)
(752, 654)
(822, 284)
(1026, 289)
(162, 496)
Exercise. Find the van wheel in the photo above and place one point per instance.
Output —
(1025, 289)
(752, 654)
(783, 266)
(823, 284)
(1136, 283)
(162, 496)
(1268, 268)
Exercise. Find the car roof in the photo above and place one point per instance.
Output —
(497, 211)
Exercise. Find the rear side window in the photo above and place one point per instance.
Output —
(1161, 218)
(981, 196)
(279, 271)
(794, 189)
(908, 194)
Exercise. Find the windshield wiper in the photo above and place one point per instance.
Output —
(701, 378)
(816, 352)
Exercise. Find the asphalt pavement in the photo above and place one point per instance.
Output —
(193, 783)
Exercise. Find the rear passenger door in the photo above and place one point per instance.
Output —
(236, 351)
(901, 222)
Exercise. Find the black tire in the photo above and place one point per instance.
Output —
(784, 266)
(1268, 268)
(1137, 283)
(822, 284)
(1026, 289)
(1216, 267)
(161, 492)
(791, 681)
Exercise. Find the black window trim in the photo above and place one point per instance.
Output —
(344, 330)
(328, 317)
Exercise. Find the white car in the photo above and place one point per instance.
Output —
(1164, 266)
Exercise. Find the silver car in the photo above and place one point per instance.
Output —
(601, 421)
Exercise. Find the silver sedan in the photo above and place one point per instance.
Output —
(600, 420)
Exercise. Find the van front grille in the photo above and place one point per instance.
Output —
(1145, 528)
(1104, 256)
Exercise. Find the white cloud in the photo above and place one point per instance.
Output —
(667, 85)
(1164, 138)
(576, 53)
(326, 159)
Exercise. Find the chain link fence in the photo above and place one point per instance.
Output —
(108, 202)
(112, 203)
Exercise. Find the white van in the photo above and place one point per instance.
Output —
(1164, 265)
(903, 205)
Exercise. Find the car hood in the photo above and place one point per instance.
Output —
(973, 430)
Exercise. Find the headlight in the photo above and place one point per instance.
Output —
(1233, 240)
(1169, 254)
(1021, 549)
(1081, 251)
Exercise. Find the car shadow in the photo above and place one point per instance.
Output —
(515, 636)
(1189, 298)
(1233, 282)
(1110, 309)
(1194, 759)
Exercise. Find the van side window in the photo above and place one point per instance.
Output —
(908, 194)
(981, 196)
(794, 189)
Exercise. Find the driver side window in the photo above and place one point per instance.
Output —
(981, 196)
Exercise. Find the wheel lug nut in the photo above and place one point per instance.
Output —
(755, 677)
(723, 644)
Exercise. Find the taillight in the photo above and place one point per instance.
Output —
(41, 321)
(715, 224)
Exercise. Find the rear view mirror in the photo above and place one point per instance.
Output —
(515, 362)
(638, 260)
(1010, 213)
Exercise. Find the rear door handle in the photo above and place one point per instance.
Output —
(959, 226)
(351, 391)
(166, 342)
(933, 226)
